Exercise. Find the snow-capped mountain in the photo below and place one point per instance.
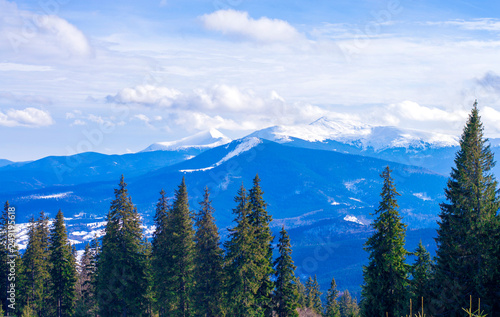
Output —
(202, 140)
(364, 136)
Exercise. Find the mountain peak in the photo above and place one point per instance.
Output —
(201, 140)
(356, 133)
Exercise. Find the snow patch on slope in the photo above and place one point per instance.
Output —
(353, 219)
(246, 145)
(52, 196)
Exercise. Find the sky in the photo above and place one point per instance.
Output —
(115, 76)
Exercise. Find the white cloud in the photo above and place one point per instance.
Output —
(413, 111)
(146, 95)
(8, 67)
(238, 23)
(40, 34)
(227, 98)
(29, 117)
(78, 122)
(67, 35)
(483, 24)
(142, 117)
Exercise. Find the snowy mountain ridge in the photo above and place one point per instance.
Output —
(358, 134)
(201, 140)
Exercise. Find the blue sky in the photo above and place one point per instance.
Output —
(114, 77)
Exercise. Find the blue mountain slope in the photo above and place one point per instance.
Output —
(320, 196)
(295, 180)
(5, 162)
(85, 168)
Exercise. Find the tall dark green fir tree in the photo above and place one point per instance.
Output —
(386, 276)
(34, 289)
(180, 263)
(240, 267)
(421, 272)
(313, 295)
(332, 306)
(348, 306)
(468, 228)
(209, 262)
(259, 220)
(84, 289)
(122, 283)
(160, 256)
(286, 293)
(63, 275)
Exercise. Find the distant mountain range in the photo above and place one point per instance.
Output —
(202, 140)
(320, 180)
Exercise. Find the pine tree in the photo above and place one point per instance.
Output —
(160, 256)
(121, 276)
(313, 295)
(332, 306)
(348, 306)
(285, 294)
(149, 296)
(34, 289)
(386, 276)
(63, 275)
(259, 220)
(466, 263)
(243, 283)
(82, 308)
(301, 289)
(86, 305)
(209, 262)
(421, 272)
(180, 263)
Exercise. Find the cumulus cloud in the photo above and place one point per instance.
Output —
(238, 23)
(40, 33)
(146, 95)
(29, 117)
(413, 111)
(218, 106)
(67, 35)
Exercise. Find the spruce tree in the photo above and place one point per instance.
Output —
(149, 296)
(160, 256)
(421, 272)
(180, 263)
(209, 262)
(63, 275)
(82, 307)
(121, 276)
(35, 277)
(348, 306)
(313, 295)
(259, 220)
(332, 306)
(301, 289)
(386, 276)
(240, 267)
(466, 262)
(285, 294)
